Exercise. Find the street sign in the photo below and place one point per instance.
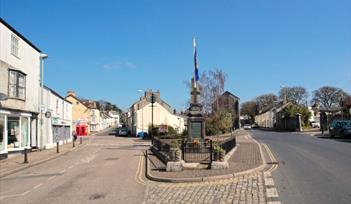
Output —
(48, 114)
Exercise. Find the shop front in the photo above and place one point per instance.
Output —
(14, 131)
(61, 130)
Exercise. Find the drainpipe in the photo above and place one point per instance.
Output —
(42, 57)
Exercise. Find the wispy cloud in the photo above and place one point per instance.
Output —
(119, 66)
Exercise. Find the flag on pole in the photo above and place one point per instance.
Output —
(196, 74)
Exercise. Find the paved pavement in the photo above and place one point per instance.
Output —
(110, 169)
(311, 169)
(16, 162)
(244, 189)
(251, 187)
(103, 171)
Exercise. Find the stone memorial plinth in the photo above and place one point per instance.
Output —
(196, 124)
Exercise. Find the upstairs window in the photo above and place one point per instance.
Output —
(14, 45)
(57, 106)
(17, 84)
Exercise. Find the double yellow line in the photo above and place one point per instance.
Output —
(272, 157)
(139, 172)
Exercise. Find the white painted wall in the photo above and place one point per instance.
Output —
(61, 115)
(161, 117)
(28, 62)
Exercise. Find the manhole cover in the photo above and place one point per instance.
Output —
(96, 196)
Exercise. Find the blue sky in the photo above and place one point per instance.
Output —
(110, 49)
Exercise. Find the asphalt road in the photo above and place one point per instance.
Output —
(103, 171)
(311, 169)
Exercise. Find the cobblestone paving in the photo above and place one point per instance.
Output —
(244, 189)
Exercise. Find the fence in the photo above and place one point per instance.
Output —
(228, 144)
(200, 152)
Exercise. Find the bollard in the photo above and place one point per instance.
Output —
(57, 147)
(81, 139)
(25, 156)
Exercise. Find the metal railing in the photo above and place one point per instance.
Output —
(161, 145)
(228, 144)
(200, 151)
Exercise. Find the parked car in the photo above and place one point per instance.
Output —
(123, 131)
(247, 126)
(315, 124)
(341, 128)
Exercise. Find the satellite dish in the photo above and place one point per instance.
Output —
(3, 97)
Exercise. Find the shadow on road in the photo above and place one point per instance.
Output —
(347, 140)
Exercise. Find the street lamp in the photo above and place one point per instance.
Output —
(284, 92)
(142, 114)
(41, 109)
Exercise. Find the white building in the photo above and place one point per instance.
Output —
(115, 117)
(19, 81)
(57, 124)
(141, 114)
(95, 120)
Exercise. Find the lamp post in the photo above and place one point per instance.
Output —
(142, 114)
(152, 117)
(41, 109)
(284, 92)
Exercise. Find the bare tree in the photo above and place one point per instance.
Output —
(217, 81)
(266, 101)
(211, 85)
(297, 95)
(249, 108)
(329, 96)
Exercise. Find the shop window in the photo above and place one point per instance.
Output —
(24, 131)
(2, 133)
(13, 135)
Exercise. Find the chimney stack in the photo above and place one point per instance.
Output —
(71, 93)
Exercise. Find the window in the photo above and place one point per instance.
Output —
(13, 133)
(17, 84)
(14, 45)
(24, 131)
(57, 106)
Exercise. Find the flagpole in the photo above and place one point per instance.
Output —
(194, 52)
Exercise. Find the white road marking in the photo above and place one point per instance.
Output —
(63, 171)
(274, 202)
(267, 174)
(37, 186)
(269, 181)
(70, 167)
(88, 159)
(14, 195)
(52, 177)
(272, 193)
(25, 193)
